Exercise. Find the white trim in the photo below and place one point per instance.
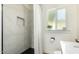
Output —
(37, 29)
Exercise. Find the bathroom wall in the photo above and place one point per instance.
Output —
(37, 29)
(16, 37)
(77, 21)
(70, 34)
(30, 23)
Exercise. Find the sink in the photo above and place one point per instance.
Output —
(69, 47)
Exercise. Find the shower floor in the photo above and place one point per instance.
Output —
(29, 51)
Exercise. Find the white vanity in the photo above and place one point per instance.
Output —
(69, 47)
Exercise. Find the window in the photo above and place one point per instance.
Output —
(57, 19)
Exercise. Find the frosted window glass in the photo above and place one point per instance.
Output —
(57, 19)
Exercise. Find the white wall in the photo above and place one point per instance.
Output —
(29, 7)
(78, 21)
(16, 37)
(37, 29)
(70, 34)
(29, 23)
